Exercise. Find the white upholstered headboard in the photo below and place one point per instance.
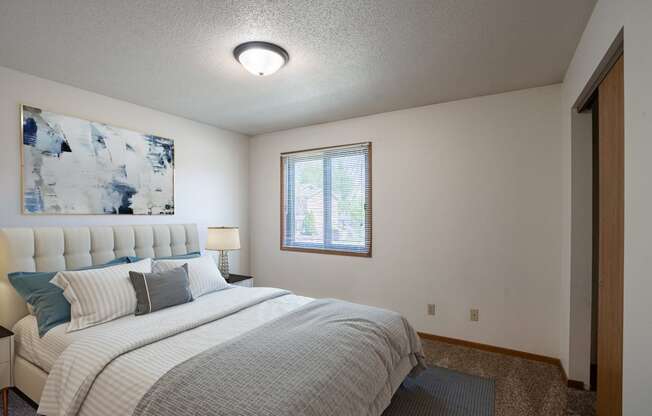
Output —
(55, 249)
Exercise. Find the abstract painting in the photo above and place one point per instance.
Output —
(75, 166)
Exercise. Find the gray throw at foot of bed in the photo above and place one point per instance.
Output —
(328, 358)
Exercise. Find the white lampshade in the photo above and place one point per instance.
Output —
(223, 238)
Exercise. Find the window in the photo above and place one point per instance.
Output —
(326, 200)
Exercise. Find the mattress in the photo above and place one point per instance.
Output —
(43, 352)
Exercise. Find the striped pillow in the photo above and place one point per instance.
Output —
(203, 273)
(100, 295)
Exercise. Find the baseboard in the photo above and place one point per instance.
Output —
(499, 350)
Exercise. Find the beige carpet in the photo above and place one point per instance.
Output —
(523, 387)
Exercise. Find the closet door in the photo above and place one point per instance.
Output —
(611, 199)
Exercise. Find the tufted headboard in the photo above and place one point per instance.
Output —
(55, 249)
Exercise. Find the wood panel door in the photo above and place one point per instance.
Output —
(610, 234)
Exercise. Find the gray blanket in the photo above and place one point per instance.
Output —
(328, 358)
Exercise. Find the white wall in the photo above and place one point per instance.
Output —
(467, 214)
(637, 364)
(581, 249)
(609, 16)
(211, 164)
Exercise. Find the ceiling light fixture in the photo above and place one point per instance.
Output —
(261, 58)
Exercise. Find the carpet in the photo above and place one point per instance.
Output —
(19, 406)
(443, 392)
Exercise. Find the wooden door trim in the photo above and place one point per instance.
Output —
(614, 53)
(611, 131)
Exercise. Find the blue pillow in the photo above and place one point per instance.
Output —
(50, 306)
(194, 254)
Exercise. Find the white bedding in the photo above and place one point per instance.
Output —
(130, 376)
(42, 352)
(119, 387)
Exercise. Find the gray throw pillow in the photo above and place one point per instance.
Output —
(155, 291)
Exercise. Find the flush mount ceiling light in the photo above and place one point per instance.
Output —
(261, 58)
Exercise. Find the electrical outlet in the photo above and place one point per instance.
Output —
(431, 309)
(475, 315)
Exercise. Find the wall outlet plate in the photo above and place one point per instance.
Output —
(475, 315)
(431, 309)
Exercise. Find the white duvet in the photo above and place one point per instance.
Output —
(44, 351)
(73, 387)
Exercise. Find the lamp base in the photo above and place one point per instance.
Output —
(223, 264)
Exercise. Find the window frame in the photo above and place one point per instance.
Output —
(319, 248)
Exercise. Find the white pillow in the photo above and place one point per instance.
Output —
(203, 273)
(99, 295)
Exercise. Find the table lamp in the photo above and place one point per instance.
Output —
(223, 239)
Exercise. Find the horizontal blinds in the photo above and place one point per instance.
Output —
(326, 199)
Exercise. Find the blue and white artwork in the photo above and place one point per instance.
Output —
(75, 166)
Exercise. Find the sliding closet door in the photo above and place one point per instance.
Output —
(611, 199)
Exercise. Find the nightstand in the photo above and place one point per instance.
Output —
(241, 280)
(6, 366)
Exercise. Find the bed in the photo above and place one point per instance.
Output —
(152, 364)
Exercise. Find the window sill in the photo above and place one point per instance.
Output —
(323, 251)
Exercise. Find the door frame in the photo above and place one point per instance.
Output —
(587, 98)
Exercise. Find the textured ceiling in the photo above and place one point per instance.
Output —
(347, 57)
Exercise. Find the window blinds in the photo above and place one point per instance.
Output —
(326, 200)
